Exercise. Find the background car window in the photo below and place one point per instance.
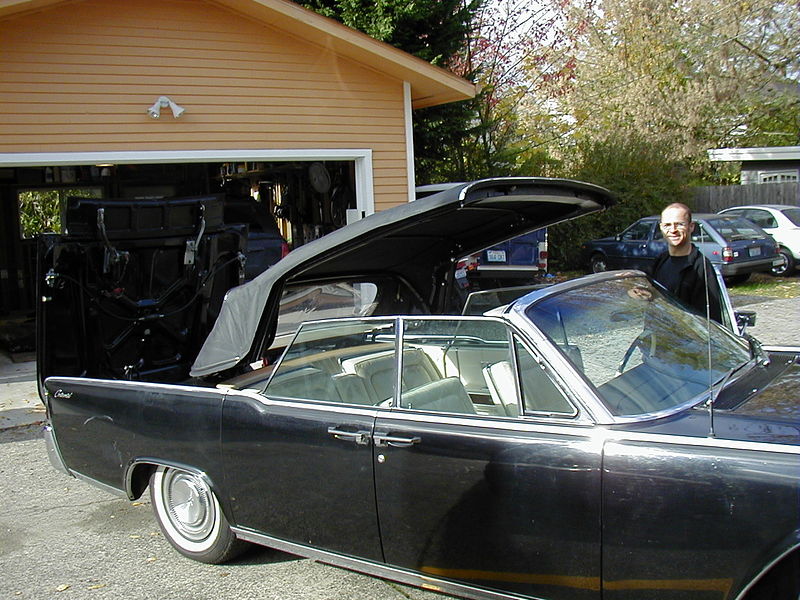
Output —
(793, 214)
(735, 229)
(700, 233)
(762, 218)
(637, 232)
(458, 366)
(348, 361)
(539, 394)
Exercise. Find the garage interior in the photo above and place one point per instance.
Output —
(306, 199)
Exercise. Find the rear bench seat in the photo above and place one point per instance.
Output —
(444, 395)
(377, 372)
(307, 382)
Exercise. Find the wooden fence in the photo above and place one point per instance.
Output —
(712, 199)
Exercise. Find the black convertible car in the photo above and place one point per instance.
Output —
(590, 439)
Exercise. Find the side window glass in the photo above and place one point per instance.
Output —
(324, 301)
(637, 232)
(763, 219)
(700, 234)
(539, 394)
(458, 366)
(348, 361)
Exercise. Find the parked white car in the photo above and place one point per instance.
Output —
(782, 222)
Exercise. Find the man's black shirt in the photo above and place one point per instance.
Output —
(686, 276)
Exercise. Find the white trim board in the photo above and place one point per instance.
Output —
(409, 132)
(365, 195)
(755, 154)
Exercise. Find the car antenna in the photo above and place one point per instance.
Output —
(711, 397)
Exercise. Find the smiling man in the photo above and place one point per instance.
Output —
(682, 269)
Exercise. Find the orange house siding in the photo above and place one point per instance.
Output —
(78, 77)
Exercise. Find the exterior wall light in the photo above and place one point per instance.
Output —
(164, 102)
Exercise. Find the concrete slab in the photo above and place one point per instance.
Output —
(19, 397)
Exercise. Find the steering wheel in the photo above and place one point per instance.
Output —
(638, 342)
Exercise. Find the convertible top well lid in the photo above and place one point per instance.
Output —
(419, 242)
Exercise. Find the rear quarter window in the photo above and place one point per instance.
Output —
(734, 230)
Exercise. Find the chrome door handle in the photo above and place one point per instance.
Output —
(383, 439)
(359, 437)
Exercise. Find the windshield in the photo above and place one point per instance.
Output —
(642, 350)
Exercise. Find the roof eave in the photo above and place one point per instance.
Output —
(753, 154)
(430, 85)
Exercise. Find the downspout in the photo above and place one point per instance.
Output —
(409, 130)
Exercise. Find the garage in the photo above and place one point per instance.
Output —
(145, 100)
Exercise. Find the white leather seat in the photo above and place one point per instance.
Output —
(502, 386)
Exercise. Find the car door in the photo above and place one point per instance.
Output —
(298, 449)
(470, 491)
(637, 246)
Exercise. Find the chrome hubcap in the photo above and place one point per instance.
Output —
(189, 505)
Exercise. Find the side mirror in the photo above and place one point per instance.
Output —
(745, 319)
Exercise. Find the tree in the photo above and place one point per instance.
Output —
(687, 73)
(643, 178)
(503, 33)
(435, 31)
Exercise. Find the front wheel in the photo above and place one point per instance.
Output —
(190, 517)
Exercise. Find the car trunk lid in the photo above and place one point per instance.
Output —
(419, 242)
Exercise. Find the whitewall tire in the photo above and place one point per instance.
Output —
(190, 517)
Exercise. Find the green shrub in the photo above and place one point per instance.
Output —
(642, 179)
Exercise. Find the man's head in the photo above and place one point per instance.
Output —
(677, 227)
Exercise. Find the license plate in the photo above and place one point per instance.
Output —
(754, 251)
(496, 255)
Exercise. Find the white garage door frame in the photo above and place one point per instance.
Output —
(362, 157)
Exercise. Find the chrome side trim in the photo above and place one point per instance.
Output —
(792, 349)
(53, 453)
(703, 442)
(517, 424)
(597, 433)
(143, 385)
(371, 568)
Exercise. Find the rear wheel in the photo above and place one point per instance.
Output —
(190, 517)
(597, 263)
(787, 266)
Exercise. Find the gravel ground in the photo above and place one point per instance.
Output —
(776, 319)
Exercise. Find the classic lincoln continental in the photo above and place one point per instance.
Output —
(589, 439)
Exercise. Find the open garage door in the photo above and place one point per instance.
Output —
(286, 200)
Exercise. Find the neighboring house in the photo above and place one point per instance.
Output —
(777, 164)
(313, 116)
